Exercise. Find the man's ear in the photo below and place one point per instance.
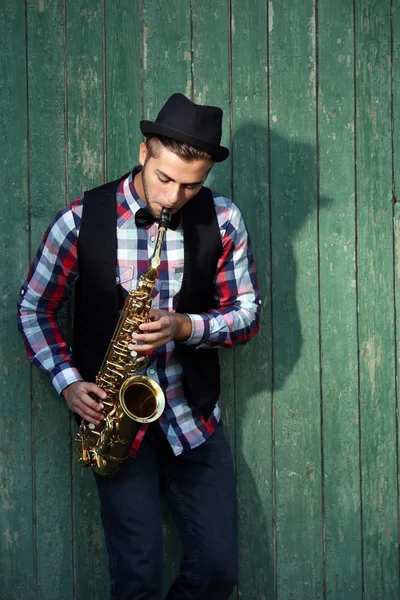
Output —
(142, 153)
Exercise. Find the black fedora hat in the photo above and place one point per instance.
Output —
(197, 125)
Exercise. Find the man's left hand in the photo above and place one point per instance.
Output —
(163, 327)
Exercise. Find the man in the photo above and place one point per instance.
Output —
(206, 297)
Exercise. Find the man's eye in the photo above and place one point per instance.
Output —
(162, 180)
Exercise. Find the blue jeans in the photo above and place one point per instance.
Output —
(199, 487)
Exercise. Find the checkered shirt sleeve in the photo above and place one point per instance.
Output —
(47, 288)
(236, 319)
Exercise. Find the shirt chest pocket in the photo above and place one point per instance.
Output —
(126, 276)
(177, 275)
(169, 286)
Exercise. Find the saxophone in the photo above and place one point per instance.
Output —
(132, 399)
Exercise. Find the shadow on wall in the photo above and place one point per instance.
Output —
(290, 188)
(292, 185)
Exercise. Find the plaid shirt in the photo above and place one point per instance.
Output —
(56, 268)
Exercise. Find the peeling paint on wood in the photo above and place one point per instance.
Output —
(16, 502)
(376, 310)
(295, 301)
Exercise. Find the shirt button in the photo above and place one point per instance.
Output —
(152, 371)
(152, 238)
(117, 279)
(22, 292)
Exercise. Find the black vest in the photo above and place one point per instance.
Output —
(97, 295)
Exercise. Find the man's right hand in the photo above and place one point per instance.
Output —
(79, 401)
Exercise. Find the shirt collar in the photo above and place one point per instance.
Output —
(128, 200)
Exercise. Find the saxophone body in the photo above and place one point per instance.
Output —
(132, 399)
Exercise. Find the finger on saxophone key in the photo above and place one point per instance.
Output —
(131, 347)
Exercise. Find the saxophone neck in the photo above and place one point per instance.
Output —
(152, 272)
(164, 221)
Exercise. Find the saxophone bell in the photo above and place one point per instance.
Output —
(142, 399)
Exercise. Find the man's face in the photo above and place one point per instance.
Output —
(169, 181)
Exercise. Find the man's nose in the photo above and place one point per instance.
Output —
(173, 194)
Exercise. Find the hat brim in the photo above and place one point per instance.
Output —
(219, 153)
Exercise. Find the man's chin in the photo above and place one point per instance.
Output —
(154, 209)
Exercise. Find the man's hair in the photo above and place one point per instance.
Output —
(185, 151)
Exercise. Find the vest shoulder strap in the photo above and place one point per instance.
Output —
(98, 232)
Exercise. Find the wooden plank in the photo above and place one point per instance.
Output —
(124, 85)
(375, 293)
(339, 301)
(253, 372)
(166, 42)
(85, 95)
(211, 78)
(16, 541)
(295, 299)
(53, 522)
(395, 32)
(85, 170)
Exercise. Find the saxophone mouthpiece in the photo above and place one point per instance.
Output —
(165, 218)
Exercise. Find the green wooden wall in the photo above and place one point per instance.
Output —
(311, 94)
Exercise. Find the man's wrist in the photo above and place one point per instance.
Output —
(68, 386)
(184, 329)
(66, 374)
